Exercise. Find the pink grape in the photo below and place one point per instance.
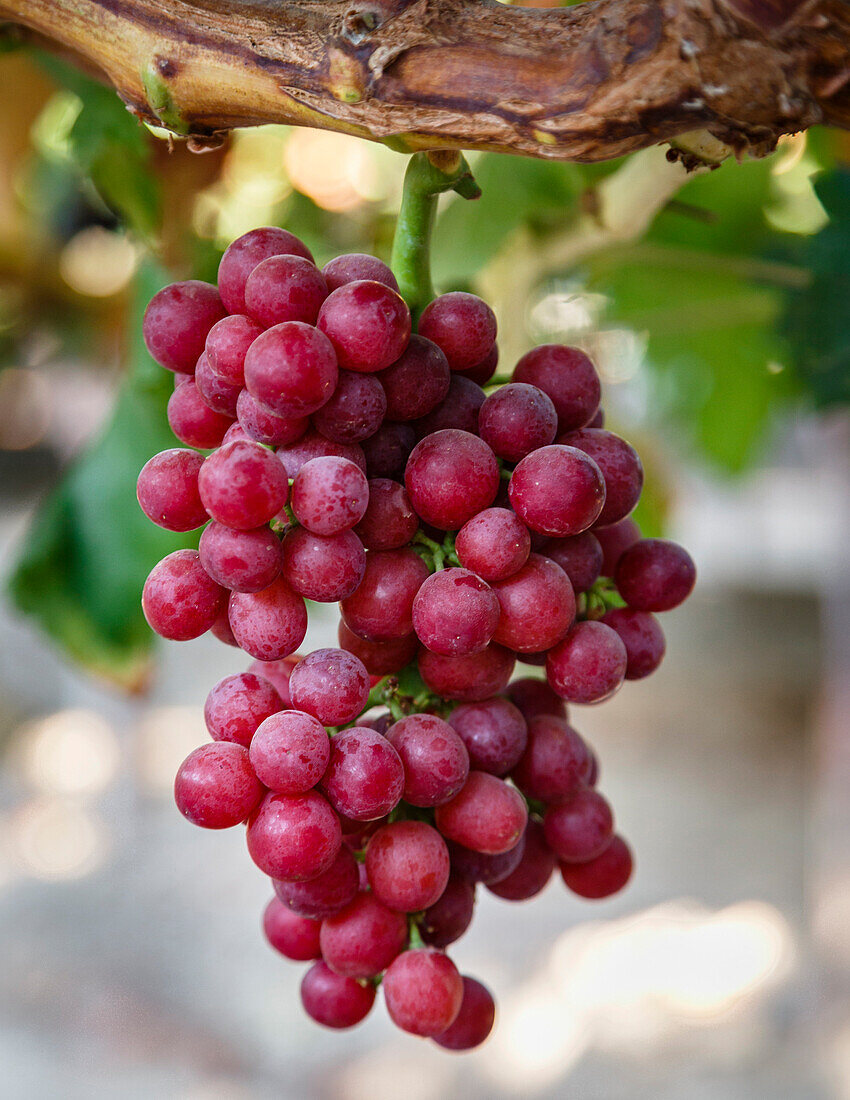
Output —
(487, 815)
(602, 876)
(474, 1020)
(290, 751)
(423, 991)
(335, 1001)
(294, 837)
(455, 613)
(534, 697)
(407, 864)
(237, 705)
(579, 828)
(356, 266)
(655, 575)
(177, 321)
(516, 420)
(536, 606)
(285, 288)
(389, 521)
(381, 609)
(365, 777)
(417, 382)
(557, 490)
(568, 376)
(193, 421)
(435, 759)
(216, 787)
(555, 761)
(295, 937)
(533, 871)
(323, 568)
(615, 541)
(495, 544)
(467, 679)
(245, 253)
(167, 490)
(462, 325)
(451, 476)
(448, 918)
(227, 345)
(460, 410)
(329, 495)
(180, 599)
(270, 624)
(368, 324)
(243, 561)
(277, 673)
(641, 634)
(580, 557)
(327, 893)
(364, 938)
(589, 665)
(264, 427)
(291, 369)
(330, 684)
(312, 445)
(242, 485)
(494, 732)
(355, 411)
(220, 396)
(387, 451)
(621, 469)
(379, 658)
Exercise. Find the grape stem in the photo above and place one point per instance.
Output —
(428, 175)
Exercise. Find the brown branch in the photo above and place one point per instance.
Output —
(584, 83)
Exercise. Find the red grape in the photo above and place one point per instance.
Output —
(355, 410)
(534, 697)
(478, 867)
(291, 369)
(363, 938)
(379, 658)
(381, 609)
(329, 495)
(423, 991)
(482, 372)
(655, 575)
(294, 837)
(387, 451)
(237, 704)
(368, 324)
(615, 541)
(167, 490)
(330, 684)
(533, 871)
(177, 321)
(495, 544)
(536, 606)
(494, 732)
(270, 624)
(474, 1020)
(227, 345)
(290, 751)
(221, 629)
(588, 665)
(284, 288)
(621, 469)
(295, 937)
(557, 490)
(462, 325)
(455, 613)
(193, 421)
(312, 445)
(448, 918)
(243, 255)
(580, 557)
(467, 679)
(435, 760)
(487, 815)
(243, 485)
(555, 761)
(333, 1000)
(389, 521)
(264, 427)
(327, 893)
(568, 377)
(641, 634)
(216, 786)
(602, 876)
(243, 561)
(580, 828)
(180, 599)
(356, 266)
(460, 410)
(220, 396)
(365, 777)
(417, 382)
(407, 864)
(450, 476)
(277, 673)
(516, 420)
(323, 568)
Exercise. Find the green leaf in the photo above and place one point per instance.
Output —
(83, 563)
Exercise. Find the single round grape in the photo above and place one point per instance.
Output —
(363, 938)
(555, 762)
(167, 490)
(290, 751)
(264, 427)
(487, 869)
(323, 568)
(482, 372)
(474, 1020)
(295, 937)
(270, 624)
(516, 420)
(494, 732)
(407, 864)
(580, 557)
(579, 828)
(177, 321)
(423, 991)
(568, 376)
(495, 544)
(435, 759)
(356, 266)
(294, 836)
(615, 541)
(216, 787)
(365, 777)
(533, 871)
(463, 325)
(487, 815)
(536, 606)
(460, 410)
(467, 679)
(327, 893)
(243, 561)
(330, 684)
(450, 476)
(220, 396)
(641, 634)
(291, 369)
(312, 445)
(389, 521)
(455, 613)
(655, 575)
(355, 411)
(237, 705)
(243, 255)
(534, 697)
(448, 918)
(227, 345)
(379, 658)
(368, 324)
(193, 421)
(243, 485)
(417, 382)
(285, 288)
(589, 665)
(386, 452)
(180, 599)
(381, 609)
(621, 469)
(557, 490)
(329, 495)
(602, 876)
(277, 673)
(335, 1001)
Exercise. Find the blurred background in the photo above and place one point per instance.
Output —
(717, 311)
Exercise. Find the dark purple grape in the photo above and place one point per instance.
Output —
(579, 828)
(407, 864)
(327, 893)
(330, 684)
(379, 658)
(417, 382)
(364, 938)
(243, 561)
(450, 476)
(216, 787)
(474, 1020)
(237, 705)
(386, 452)
(580, 557)
(455, 613)
(368, 324)
(291, 370)
(294, 836)
(227, 345)
(356, 266)
(467, 679)
(655, 575)
(534, 697)
(167, 490)
(381, 609)
(355, 411)
(193, 421)
(329, 495)
(494, 732)
(323, 568)
(536, 605)
(487, 815)
(180, 599)
(435, 759)
(463, 325)
(621, 469)
(295, 937)
(516, 420)
(495, 544)
(389, 521)
(243, 255)
(423, 991)
(555, 762)
(365, 777)
(557, 490)
(460, 409)
(478, 867)
(641, 634)
(177, 321)
(448, 918)
(243, 485)
(602, 876)
(482, 372)
(270, 624)
(567, 375)
(589, 665)
(533, 871)
(615, 541)
(264, 427)
(285, 288)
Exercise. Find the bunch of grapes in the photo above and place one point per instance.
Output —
(461, 528)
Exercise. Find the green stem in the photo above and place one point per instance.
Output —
(428, 175)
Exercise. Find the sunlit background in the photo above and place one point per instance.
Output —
(133, 963)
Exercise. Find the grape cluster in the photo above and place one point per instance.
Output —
(460, 530)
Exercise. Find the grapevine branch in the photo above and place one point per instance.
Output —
(584, 83)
